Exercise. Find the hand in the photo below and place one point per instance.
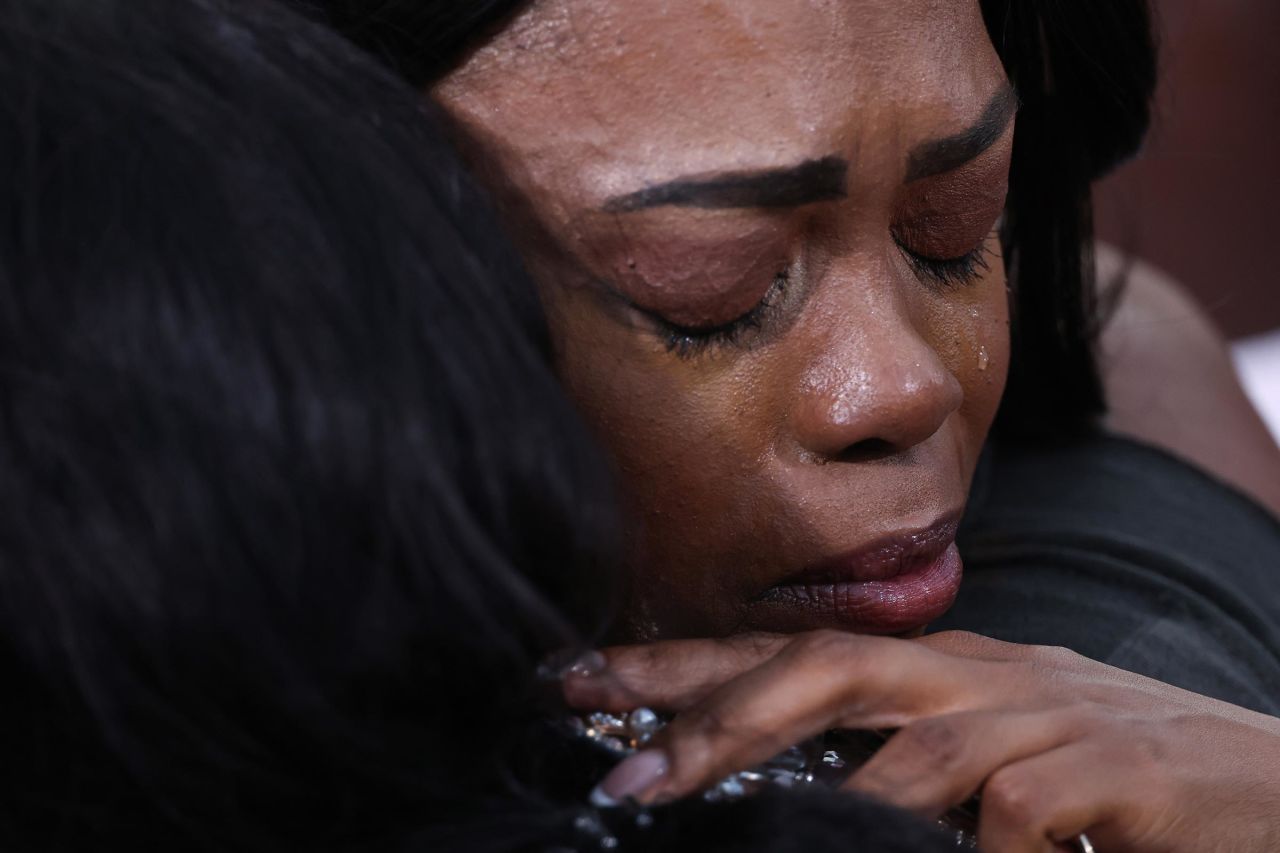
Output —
(1055, 743)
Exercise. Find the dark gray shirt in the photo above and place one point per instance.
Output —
(1129, 556)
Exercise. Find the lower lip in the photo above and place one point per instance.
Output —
(896, 605)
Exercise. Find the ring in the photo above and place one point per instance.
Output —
(1085, 845)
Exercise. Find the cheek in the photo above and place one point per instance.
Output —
(657, 420)
(686, 450)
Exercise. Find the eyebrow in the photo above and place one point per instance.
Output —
(790, 186)
(943, 155)
(823, 179)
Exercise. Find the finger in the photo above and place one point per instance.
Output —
(818, 681)
(1052, 798)
(970, 645)
(1042, 664)
(669, 675)
(676, 674)
(936, 763)
(978, 647)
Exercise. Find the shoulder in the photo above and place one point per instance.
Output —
(1171, 383)
(1126, 554)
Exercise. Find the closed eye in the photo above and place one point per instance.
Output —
(688, 342)
(953, 272)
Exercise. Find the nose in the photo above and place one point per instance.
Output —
(878, 392)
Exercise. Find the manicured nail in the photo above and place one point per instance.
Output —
(630, 779)
(588, 664)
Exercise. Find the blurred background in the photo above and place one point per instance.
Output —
(1202, 201)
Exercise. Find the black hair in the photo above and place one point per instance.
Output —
(1085, 71)
(287, 480)
(293, 503)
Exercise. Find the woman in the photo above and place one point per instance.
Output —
(294, 505)
(769, 237)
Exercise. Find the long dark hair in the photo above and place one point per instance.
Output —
(288, 485)
(293, 504)
(1085, 71)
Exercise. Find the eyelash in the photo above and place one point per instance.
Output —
(687, 342)
(950, 273)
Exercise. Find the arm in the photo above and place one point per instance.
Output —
(1171, 383)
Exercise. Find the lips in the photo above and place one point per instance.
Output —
(895, 585)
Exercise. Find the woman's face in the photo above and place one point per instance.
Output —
(764, 233)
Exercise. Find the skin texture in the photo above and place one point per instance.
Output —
(856, 405)
(852, 408)
(1056, 744)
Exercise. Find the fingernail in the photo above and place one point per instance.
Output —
(631, 778)
(588, 664)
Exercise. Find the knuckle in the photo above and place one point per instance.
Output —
(1012, 797)
(1056, 657)
(1083, 717)
(751, 648)
(644, 667)
(705, 724)
(706, 744)
(824, 640)
(938, 741)
(691, 761)
(969, 643)
(1148, 750)
(756, 640)
(824, 646)
(966, 639)
(646, 657)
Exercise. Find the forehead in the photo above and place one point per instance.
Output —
(593, 98)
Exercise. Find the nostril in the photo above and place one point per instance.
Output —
(869, 450)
